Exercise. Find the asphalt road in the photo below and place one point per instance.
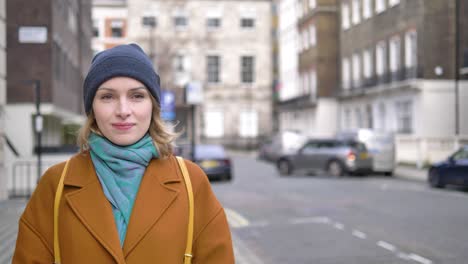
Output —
(323, 220)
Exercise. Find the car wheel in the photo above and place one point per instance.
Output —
(435, 179)
(285, 167)
(388, 173)
(334, 168)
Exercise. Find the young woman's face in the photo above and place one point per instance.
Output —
(122, 108)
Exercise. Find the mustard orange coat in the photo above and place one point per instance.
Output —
(157, 231)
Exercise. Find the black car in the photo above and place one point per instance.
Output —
(211, 158)
(453, 171)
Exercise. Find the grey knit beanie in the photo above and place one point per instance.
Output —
(125, 61)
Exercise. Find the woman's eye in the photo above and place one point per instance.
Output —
(138, 96)
(106, 97)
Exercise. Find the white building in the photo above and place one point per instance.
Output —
(223, 45)
(109, 24)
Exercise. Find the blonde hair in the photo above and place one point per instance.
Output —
(163, 138)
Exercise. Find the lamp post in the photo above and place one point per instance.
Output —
(38, 124)
(457, 66)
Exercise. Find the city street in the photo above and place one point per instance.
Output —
(317, 219)
(324, 220)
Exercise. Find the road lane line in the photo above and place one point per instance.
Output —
(310, 220)
(386, 246)
(235, 220)
(419, 259)
(359, 234)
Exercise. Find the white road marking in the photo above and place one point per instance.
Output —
(235, 220)
(359, 234)
(310, 220)
(386, 246)
(338, 226)
(242, 252)
(419, 259)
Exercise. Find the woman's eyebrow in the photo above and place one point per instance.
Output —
(131, 89)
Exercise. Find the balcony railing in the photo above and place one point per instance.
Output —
(385, 78)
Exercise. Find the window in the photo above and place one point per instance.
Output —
(346, 68)
(345, 16)
(214, 124)
(247, 22)
(179, 65)
(369, 116)
(356, 12)
(248, 124)
(149, 21)
(347, 119)
(379, 6)
(382, 116)
(95, 28)
(300, 9)
(366, 9)
(305, 39)
(411, 52)
(367, 61)
(247, 69)
(356, 70)
(381, 58)
(117, 28)
(180, 21)
(213, 68)
(213, 22)
(313, 35)
(404, 116)
(393, 2)
(312, 4)
(358, 114)
(313, 84)
(394, 54)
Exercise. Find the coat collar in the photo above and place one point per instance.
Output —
(94, 211)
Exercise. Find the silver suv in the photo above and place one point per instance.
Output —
(335, 157)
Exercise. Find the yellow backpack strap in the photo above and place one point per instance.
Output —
(58, 195)
(188, 184)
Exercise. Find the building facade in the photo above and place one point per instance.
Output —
(48, 43)
(398, 71)
(308, 58)
(223, 48)
(109, 24)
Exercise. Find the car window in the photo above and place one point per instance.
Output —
(359, 146)
(461, 154)
(310, 147)
(209, 151)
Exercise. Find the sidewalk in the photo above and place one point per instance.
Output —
(410, 173)
(10, 211)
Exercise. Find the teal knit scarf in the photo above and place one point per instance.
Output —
(120, 170)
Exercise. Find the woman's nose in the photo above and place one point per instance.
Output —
(123, 108)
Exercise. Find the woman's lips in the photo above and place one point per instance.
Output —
(122, 126)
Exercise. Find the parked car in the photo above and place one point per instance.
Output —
(280, 144)
(211, 158)
(380, 145)
(453, 170)
(334, 156)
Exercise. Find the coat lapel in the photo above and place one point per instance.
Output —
(91, 206)
(153, 198)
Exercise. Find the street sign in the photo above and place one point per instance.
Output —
(37, 35)
(194, 93)
(168, 106)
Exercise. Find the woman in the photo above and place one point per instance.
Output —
(124, 198)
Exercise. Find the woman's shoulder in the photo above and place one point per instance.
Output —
(53, 173)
